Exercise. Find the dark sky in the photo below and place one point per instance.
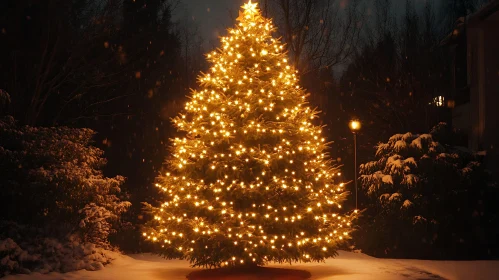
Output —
(214, 16)
(211, 16)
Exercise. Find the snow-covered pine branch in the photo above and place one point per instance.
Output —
(422, 193)
(64, 207)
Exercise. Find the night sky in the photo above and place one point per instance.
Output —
(213, 16)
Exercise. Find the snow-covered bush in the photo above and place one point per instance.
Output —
(52, 181)
(426, 199)
(34, 252)
(4, 101)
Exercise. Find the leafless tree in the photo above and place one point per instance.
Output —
(317, 33)
(399, 71)
(451, 10)
(192, 53)
(67, 60)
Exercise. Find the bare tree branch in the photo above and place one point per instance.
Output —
(318, 33)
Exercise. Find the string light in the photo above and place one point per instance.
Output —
(250, 180)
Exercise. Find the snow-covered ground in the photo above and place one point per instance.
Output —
(347, 266)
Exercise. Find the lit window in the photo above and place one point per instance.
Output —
(438, 101)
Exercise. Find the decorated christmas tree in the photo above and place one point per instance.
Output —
(249, 182)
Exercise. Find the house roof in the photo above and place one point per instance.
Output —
(452, 37)
(488, 11)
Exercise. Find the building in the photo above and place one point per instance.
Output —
(474, 46)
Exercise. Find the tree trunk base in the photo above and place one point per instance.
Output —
(249, 272)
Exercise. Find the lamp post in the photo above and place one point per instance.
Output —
(354, 127)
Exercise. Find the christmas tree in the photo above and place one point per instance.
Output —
(249, 183)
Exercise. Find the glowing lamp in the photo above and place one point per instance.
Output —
(354, 125)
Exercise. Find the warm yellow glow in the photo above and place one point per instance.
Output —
(250, 7)
(355, 125)
(249, 141)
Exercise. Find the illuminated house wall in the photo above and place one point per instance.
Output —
(475, 47)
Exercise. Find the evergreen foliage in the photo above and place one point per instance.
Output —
(427, 199)
(249, 180)
(54, 197)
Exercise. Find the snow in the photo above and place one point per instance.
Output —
(407, 203)
(47, 254)
(396, 137)
(369, 165)
(347, 266)
(469, 168)
(410, 161)
(387, 179)
(406, 137)
(426, 137)
(384, 196)
(481, 153)
(395, 196)
(374, 180)
(410, 180)
(400, 145)
(381, 148)
(418, 219)
(394, 164)
(416, 143)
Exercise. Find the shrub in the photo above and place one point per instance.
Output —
(52, 184)
(427, 199)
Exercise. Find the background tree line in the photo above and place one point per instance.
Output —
(423, 194)
(123, 67)
(111, 66)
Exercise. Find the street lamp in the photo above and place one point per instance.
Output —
(354, 127)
